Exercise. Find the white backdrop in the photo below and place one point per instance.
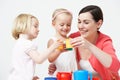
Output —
(43, 10)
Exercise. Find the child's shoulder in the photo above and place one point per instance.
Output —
(53, 38)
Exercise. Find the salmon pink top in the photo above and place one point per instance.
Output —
(104, 42)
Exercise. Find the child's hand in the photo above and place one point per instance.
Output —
(35, 78)
(62, 46)
(51, 69)
(58, 44)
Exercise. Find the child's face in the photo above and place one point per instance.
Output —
(34, 30)
(62, 24)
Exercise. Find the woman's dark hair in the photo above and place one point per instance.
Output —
(95, 11)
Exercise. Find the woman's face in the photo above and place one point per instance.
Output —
(87, 25)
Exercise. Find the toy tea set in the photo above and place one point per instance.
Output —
(66, 46)
(76, 75)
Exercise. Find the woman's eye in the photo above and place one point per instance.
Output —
(86, 22)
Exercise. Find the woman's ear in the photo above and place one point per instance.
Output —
(99, 23)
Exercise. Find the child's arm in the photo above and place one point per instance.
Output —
(40, 57)
(55, 52)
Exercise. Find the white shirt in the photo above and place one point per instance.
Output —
(85, 64)
(23, 66)
(66, 61)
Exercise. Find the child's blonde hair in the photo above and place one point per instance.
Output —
(60, 11)
(22, 24)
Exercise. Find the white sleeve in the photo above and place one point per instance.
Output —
(30, 46)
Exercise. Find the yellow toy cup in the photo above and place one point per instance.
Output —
(68, 45)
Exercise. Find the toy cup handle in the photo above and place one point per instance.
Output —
(90, 75)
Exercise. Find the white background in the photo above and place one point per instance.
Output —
(43, 10)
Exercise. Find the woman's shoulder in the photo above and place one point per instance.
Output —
(103, 39)
(103, 36)
(74, 34)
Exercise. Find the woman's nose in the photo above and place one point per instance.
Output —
(80, 26)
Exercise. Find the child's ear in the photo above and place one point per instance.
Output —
(53, 23)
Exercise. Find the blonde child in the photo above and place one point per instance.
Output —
(25, 54)
(63, 59)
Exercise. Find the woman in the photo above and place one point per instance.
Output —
(95, 51)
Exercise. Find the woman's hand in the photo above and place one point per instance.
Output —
(80, 42)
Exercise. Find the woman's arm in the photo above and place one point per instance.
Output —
(103, 57)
